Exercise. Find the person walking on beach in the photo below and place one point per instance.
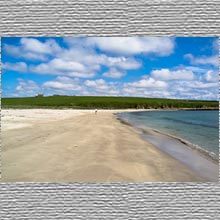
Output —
(96, 111)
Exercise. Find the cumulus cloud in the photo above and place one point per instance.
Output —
(33, 45)
(72, 67)
(122, 63)
(113, 73)
(92, 60)
(62, 83)
(144, 92)
(161, 46)
(146, 87)
(79, 60)
(18, 67)
(33, 49)
(81, 75)
(148, 83)
(98, 84)
(201, 85)
(61, 67)
(178, 82)
(101, 87)
(18, 52)
(27, 88)
(82, 63)
(194, 90)
(58, 65)
(204, 60)
(193, 69)
(212, 76)
(167, 74)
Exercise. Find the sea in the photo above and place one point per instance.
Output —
(200, 128)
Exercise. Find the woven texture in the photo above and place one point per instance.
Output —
(109, 201)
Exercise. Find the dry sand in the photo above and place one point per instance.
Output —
(78, 146)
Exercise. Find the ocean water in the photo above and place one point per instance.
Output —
(201, 128)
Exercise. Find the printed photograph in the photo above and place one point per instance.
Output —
(109, 109)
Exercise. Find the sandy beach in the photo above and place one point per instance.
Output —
(42, 145)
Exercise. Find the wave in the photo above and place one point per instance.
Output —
(209, 154)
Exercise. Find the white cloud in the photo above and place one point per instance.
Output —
(33, 49)
(58, 85)
(204, 60)
(166, 74)
(61, 67)
(194, 69)
(79, 58)
(18, 52)
(98, 84)
(114, 73)
(18, 67)
(27, 88)
(201, 85)
(148, 83)
(33, 45)
(62, 83)
(194, 90)
(122, 62)
(93, 61)
(82, 63)
(145, 87)
(81, 75)
(179, 82)
(11, 50)
(101, 87)
(143, 92)
(212, 76)
(161, 46)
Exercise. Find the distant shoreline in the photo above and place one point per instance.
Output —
(106, 102)
(113, 109)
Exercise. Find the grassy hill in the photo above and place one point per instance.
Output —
(87, 102)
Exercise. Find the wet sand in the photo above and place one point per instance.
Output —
(78, 146)
(201, 163)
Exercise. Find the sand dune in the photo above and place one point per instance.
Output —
(78, 146)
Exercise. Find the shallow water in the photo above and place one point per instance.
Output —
(200, 128)
(204, 167)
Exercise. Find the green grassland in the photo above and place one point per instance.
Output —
(89, 102)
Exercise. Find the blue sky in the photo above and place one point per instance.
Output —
(168, 67)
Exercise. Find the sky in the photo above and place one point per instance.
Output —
(164, 67)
